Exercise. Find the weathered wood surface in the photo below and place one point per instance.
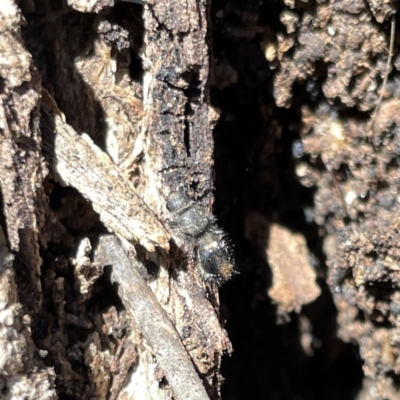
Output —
(74, 117)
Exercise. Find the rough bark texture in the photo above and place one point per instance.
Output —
(23, 373)
(116, 100)
(288, 109)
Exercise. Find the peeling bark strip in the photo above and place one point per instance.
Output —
(176, 93)
(81, 164)
(151, 320)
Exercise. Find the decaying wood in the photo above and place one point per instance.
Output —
(183, 298)
(21, 169)
(176, 95)
(89, 116)
(80, 163)
(295, 82)
(22, 371)
(151, 320)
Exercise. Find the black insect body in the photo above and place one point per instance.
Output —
(203, 236)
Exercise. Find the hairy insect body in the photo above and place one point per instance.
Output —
(201, 233)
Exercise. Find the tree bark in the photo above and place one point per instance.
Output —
(105, 110)
(116, 99)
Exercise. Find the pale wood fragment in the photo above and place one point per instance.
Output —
(151, 320)
(293, 276)
(78, 162)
